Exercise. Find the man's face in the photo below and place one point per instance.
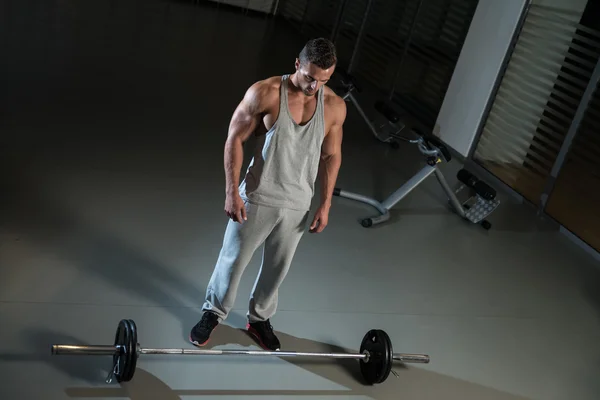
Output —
(311, 77)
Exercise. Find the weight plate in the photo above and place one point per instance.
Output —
(389, 358)
(120, 358)
(381, 356)
(128, 353)
(132, 351)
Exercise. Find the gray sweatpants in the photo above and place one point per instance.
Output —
(280, 231)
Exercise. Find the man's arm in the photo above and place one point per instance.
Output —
(329, 165)
(246, 118)
(331, 154)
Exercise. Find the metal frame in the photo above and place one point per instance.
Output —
(338, 19)
(303, 21)
(571, 133)
(405, 50)
(361, 33)
(386, 205)
(433, 155)
(275, 8)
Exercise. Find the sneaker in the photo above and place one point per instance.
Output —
(263, 332)
(201, 331)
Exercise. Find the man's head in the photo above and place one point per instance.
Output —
(315, 65)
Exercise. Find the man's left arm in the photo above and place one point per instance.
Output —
(329, 166)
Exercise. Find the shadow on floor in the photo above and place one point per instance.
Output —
(88, 369)
(412, 382)
(40, 217)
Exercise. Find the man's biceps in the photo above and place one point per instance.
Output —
(330, 148)
(242, 112)
(245, 115)
(334, 139)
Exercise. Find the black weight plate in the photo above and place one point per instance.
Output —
(121, 357)
(132, 351)
(128, 353)
(125, 354)
(389, 358)
(381, 356)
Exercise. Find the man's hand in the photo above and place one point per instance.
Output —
(320, 220)
(235, 207)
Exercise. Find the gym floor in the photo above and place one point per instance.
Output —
(114, 115)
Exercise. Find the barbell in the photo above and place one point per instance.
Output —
(376, 353)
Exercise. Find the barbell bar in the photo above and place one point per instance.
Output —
(376, 355)
(109, 350)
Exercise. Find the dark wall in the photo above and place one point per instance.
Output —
(408, 49)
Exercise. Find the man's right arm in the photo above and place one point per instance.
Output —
(244, 122)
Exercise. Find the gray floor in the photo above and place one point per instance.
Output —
(113, 121)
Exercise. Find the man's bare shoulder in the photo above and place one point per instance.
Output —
(264, 91)
(265, 87)
(335, 103)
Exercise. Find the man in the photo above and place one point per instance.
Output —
(300, 136)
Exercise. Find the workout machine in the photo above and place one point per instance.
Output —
(386, 132)
(376, 353)
(475, 209)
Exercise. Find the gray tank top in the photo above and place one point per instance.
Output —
(285, 164)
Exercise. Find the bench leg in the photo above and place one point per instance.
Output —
(453, 199)
(385, 206)
(408, 187)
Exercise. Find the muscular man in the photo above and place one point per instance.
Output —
(300, 122)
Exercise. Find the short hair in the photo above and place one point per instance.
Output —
(320, 52)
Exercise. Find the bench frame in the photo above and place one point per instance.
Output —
(434, 151)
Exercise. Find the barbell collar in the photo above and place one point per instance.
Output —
(411, 358)
(83, 350)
